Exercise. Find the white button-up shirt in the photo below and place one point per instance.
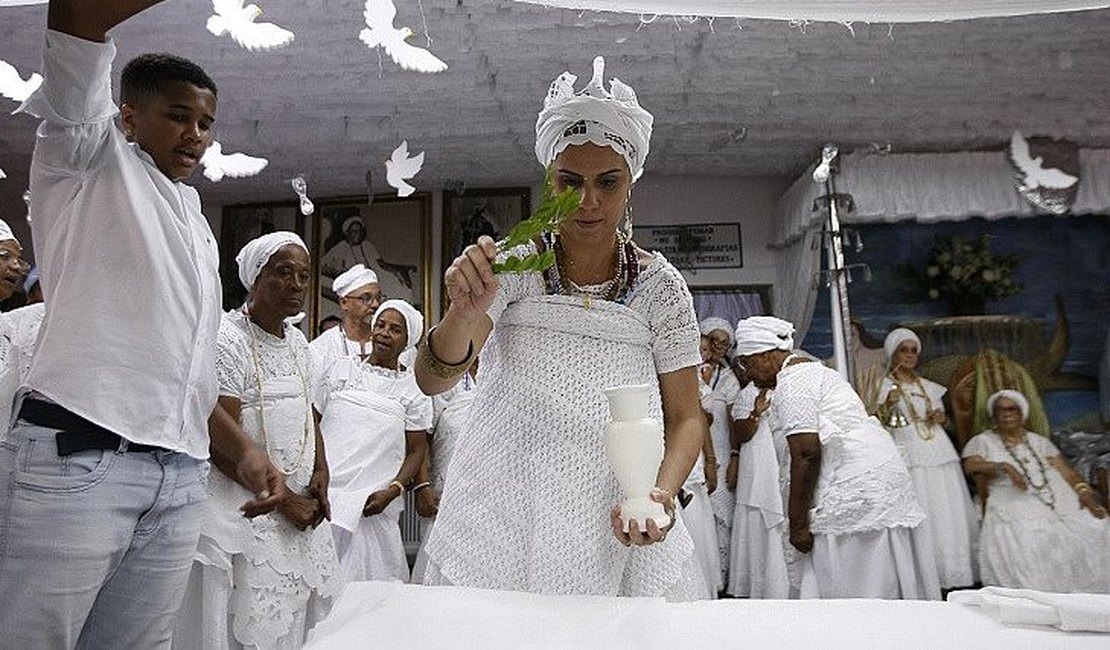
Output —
(129, 266)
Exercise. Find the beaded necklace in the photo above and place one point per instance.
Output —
(1043, 492)
(924, 432)
(614, 289)
(257, 360)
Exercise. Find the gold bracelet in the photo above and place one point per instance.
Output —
(1082, 487)
(399, 485)
(439, 367)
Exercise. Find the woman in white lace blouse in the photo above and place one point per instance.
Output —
(529, 496)
(264, 582)
(1043, 527)
(850, 505)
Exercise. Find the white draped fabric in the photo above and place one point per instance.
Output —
(930, 187)
(796, 282)
(879, 11)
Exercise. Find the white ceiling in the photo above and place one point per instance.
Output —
(749, 98)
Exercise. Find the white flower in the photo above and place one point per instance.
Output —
(934, 294)
(933, 271)
(989, 276)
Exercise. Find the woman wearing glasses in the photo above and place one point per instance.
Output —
(1043, 527)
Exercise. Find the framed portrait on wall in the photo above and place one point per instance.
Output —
(391, 236)
(473, 213)
(242, 223)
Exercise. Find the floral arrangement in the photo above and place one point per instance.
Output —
(968, 273)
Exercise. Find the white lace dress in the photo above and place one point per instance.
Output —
(367, 411)
(529, 490)
(724, 389)
(450, 417)
(1025, 542)
(260, 582)
(951, 517)
(864, 511)
(757, 568)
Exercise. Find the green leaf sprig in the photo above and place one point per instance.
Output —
(553, 211)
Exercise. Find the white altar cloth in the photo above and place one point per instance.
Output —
(394, 615)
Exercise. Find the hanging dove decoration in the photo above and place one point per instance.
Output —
(13, 86)
(401, 167)
(301, 188)
(1036, 175)
(217, 164)
(1049, 180)
(234, 19)
(2, 174)
(379, 32)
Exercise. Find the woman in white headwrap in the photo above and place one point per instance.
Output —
(530, 495)
(1043, 527)
(18, 328)
(850, 506)
(951, 517)
(724, 390)
(375, 421)
(264, 582)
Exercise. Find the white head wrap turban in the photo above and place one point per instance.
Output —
(897, 337)
(762, 333)
(6, 233)
(715, 323)
(414, 321)
(351, 279)
(1017, 397)
(350, 221)
(610, 118)
(258, 251)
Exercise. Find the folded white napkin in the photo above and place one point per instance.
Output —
(1069, 612)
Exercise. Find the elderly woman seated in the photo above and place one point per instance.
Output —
(1043, 528)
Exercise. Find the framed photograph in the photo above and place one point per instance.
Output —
(240, 224)
(473, 213)
(391, 235)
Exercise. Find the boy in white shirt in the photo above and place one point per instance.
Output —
(104, 471)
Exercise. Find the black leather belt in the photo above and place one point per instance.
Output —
(75, 433)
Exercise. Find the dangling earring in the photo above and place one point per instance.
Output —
(625, 231)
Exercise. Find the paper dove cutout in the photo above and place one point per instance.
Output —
(233, 18)
(217, 164)
(379, 32)
(1035, 174)
(401, 167)
(2, 174)
(13, 86)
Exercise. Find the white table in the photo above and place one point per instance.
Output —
(394, 615)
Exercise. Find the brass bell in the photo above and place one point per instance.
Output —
(896, 419)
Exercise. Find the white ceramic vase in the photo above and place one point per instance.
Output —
(634, 444)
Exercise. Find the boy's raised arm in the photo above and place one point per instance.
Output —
(91, 19)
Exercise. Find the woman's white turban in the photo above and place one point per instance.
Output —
(897, 337)
(1018, 399)
(414, 320)
(716, 323)
(762, 333)
(259, 250)
(610, 118)
(351, 279)
(6, 233)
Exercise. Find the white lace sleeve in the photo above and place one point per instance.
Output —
(977, 446)
(514, 286)
(798, 400)
(231, 360)
(418, 414)
(670, 311)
